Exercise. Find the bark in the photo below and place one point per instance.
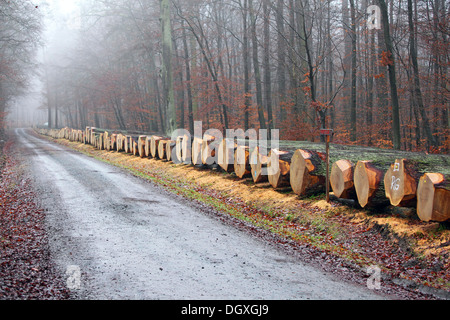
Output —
(392, 76)
(341, 179)
(400, 183)
(307, 173)
(241, 162)
(168, 95)
(259, 102)
(280, 163)
(433, 197)
(417, 92)
(258, 163)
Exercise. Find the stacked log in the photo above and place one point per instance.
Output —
(196, 151)
(209, 146)
(105, 140)
(177, 156)
(279, 163)
(163, 149)
(433, 198)
(225, 156)
(100, 141)
(258, 163)
(170, 149)
(141, 146)
(154, 144)
(126, 144)
(400, 183)
(134, 145)
(241, 165)
(374, 181)
(120, 142)
(113, 141)
(148, 152)
(186, 149)
(307, 172)
(341, 179)
(368, 180)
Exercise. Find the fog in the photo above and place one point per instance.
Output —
(60, 25)
(375, 76)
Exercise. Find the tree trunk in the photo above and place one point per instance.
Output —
(197, 144)
(400, 183)
(259, 102)
(241, 162)
(167, 75)
(186, 149)
(154, 144)
(341, 179)
(267, 66)
(279, 162)
(307, 172)
(163, 146)
(281, 52)
(141, 146)
(225, 157)
(246, 62)
(368, 185)
(353, 73)
(209, 148)
(392, 76)
(433, 198)
(417, 93)
(258, 163)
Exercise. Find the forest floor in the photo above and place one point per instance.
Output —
(411, 253)
(26, 268)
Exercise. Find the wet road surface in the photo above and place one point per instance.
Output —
(121, 237)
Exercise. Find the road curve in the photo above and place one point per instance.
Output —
(131, 240)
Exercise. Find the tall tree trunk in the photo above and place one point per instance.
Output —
(417, 93)
(259, 102)
(267, 73)
(396, 137)
(246, 67)
(281, 67)
(347, 62)
(188, 79)
(353, 72)
(168, 96)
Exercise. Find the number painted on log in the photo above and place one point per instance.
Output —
(395, 184)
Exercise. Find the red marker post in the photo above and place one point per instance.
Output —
(328, 134)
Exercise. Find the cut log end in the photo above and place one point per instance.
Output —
(433, 198)
(258, 163)
(305, 173)
(341, 179)
(368, 186)
(400, 183)
(241, 162)
(225, 156)
(279, 163)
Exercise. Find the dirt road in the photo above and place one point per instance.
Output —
(121, 237)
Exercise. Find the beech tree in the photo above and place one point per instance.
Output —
(294, 65)
(20, 35)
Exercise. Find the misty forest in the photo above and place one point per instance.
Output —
(294, 65)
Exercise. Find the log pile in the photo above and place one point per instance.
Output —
(258, 164)
(307, 172)
(279, 163)
(371, 177)
(242, 162)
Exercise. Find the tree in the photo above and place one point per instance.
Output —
(168, 92)
(20, 36)
(389, 60)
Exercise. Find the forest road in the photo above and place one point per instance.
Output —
(117, 236)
